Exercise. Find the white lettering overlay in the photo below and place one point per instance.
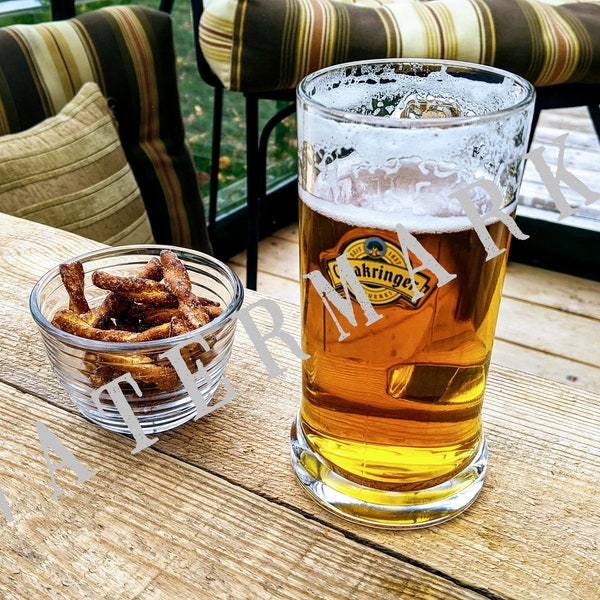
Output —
(343, 304)
(552, 182)
(407, 240)
(49, 441)
(479, 221)
(187, 378)
(258, 340)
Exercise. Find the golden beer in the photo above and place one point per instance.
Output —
(396, 405)
(409, 174)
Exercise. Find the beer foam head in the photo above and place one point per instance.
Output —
(389, 220)
(406, 136)
(410, 90)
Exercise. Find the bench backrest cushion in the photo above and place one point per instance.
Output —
(128, 51)
(267, 45)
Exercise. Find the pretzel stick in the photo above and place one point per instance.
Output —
(143, 369)
(174, 268)
(73, 277)
(69, 322)
(112, 306)
(138, 289)
(153, 269)
(191, 309)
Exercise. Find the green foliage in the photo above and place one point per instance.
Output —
(196, 98)
(197, 108)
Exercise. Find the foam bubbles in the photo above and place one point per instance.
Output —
(388, 220)
(388, 142)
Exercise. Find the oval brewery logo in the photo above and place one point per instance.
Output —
(381, 268)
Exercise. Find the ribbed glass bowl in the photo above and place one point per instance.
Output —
(80, 363)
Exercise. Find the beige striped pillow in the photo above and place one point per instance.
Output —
(70, 172)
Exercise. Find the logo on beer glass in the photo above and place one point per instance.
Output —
(380, 267)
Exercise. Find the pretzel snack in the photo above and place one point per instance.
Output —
(154, 304)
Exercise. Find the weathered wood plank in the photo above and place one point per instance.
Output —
(522, 486)
(542, 364)
(547, 329)
(280, 288)
(278, 256)
(568, 120)
(572, 295)
(533, 439)
(539, 494)
(289, 233)
(151, 526)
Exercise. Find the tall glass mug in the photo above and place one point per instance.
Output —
(409, 174)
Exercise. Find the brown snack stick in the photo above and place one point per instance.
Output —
(178, 326)
(207, 301)
(195, 352)
(194, 316)
(161, 375)
(143, 369)
(213, 311)
(111, 307)
(73, 276)
(153, 269)
(149, 316)
(99, 375)
(138, 289)
(106, 367)
(191, 309)
(68, 321)
(174, 268)
(148, 374)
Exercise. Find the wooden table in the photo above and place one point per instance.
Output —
(212, 510)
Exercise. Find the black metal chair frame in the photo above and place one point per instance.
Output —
(256, 150)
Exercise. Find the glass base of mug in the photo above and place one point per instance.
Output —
(396, 510)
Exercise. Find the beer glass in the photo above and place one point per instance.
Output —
(409, 172)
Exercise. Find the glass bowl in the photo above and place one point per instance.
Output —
(84, 366)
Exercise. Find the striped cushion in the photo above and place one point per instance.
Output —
(265, 45)
(128, 51)
(70, 172)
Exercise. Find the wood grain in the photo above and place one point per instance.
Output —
(544, 465)
(153, 526)
(566, 293)
(557, 368)
(214, 508)
(542, 329)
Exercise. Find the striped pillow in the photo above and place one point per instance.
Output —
(267, 45)
(70, 172)
(129, 52)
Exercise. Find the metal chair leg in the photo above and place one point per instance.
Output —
(594, 110)
(62, 9)
(257, 145)
(253, 189)
(214, 161)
